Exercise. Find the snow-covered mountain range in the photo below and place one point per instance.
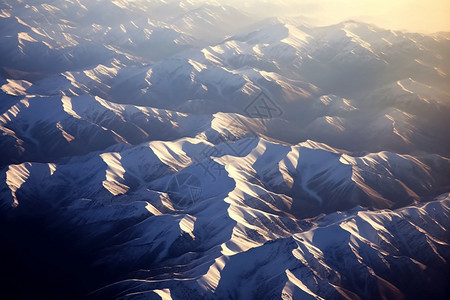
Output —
(200, 150)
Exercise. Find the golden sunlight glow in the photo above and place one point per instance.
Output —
(409, 15)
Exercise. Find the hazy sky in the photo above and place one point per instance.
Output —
(412, 15)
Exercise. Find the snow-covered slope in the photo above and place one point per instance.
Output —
(358, 254)
(191, 208)
(200, 150)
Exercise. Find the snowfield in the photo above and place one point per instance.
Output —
(198, 150)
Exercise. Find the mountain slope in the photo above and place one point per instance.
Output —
(357, 254)
(195, 150)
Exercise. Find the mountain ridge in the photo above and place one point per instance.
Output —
(197, 150)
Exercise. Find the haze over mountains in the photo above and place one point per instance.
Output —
(199, 150)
